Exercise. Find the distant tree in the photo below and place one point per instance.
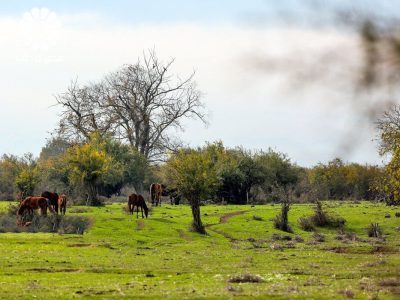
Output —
(10, 167)
(388, 126)
(277, 169)
(28, 176)
(139, 104)
(239, 176)
(54, 147)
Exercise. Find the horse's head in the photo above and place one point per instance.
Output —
(50, 206)
(21, 209)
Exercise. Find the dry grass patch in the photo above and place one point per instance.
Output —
(242, 278)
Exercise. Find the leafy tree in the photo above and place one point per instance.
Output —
(10, 167)
(277, 169)
(194, 173)
(26, 181)
(239, 176)
(28, 176)
(89, 165)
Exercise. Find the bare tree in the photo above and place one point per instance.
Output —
(389, 129)
(139, 104)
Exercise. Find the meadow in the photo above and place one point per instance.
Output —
(242, 255)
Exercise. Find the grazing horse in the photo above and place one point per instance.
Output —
(137, 200)
(32, 203)
(156, 191)
(62, 203)
(174, 196)
(53, 197)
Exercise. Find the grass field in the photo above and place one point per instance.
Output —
(121, 256)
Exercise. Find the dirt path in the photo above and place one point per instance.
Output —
(224, 218)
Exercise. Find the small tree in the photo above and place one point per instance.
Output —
(193, 172)
(26, 181)
(89, 165)
(281, 221)
(28, 176)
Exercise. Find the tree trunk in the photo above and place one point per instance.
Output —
(197, 224)
(92, 195)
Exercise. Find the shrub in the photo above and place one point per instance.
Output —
(278, 237)
(374, 230)
(318, 237)
(322, 219)
(298, 239)
(280, 223)
(281, 220)
(306, 223)
(50, 223)
(397, 214)
(246, 278)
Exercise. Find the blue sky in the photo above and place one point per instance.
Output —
(202, 11)
(242, 52)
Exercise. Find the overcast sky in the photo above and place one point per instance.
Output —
(251, 60)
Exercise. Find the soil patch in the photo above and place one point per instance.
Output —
(225, 218)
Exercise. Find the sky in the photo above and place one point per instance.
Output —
(261, 67)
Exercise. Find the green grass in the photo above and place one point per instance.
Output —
(159, 257)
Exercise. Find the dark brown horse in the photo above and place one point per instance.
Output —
(156, 191)
(138, 201)
(53, 197)
(32, 203)
(62, 204)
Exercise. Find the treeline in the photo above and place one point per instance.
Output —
(104, 166)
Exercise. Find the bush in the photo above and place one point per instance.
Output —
(322, 219)
(242, 278)
(50, 223)
(306, 223)
(281, 223)
(281, 220)
(374, 230)
(318, 237)
(397, 214)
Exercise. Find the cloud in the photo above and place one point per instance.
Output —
(249, 107)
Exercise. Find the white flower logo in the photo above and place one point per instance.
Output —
(41, 27)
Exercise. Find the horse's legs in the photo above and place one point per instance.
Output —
(141, 208)
(137, 211)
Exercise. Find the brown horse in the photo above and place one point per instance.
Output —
(32, 203)
(62, 203)
(156, 191)
(137, 200)
(53, 197)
